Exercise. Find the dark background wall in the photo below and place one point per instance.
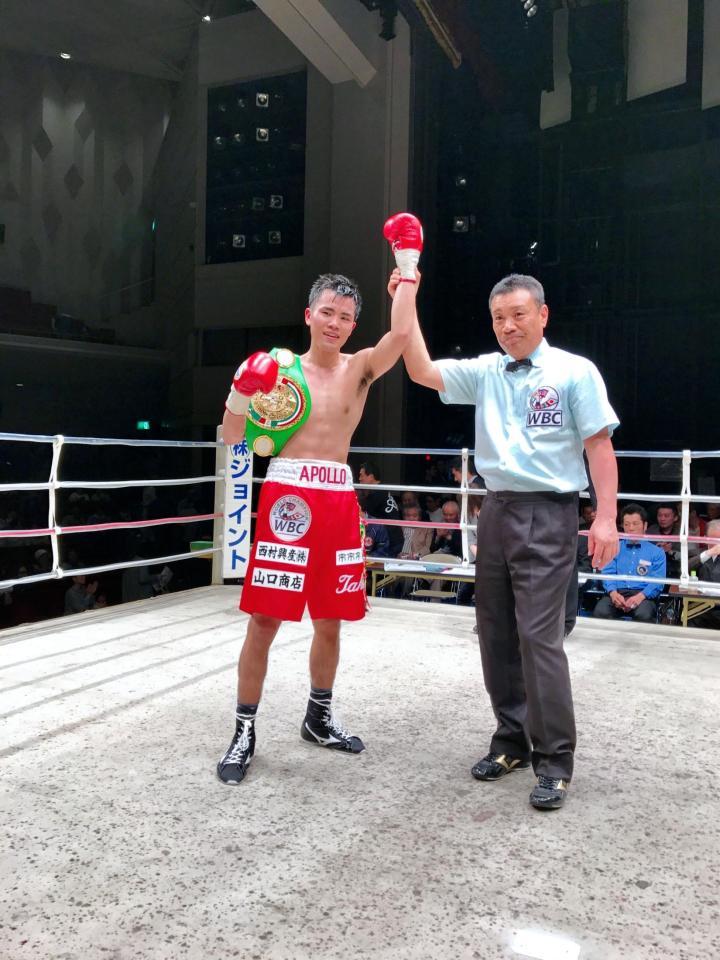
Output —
(616, 212)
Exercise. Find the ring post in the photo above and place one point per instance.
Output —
(464, 508)
(57, 448)
(219, 510)
(685, 517)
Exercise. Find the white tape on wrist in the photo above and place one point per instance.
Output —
(237, 403)
(407, 260)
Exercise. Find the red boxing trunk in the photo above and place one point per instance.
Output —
(308, 549)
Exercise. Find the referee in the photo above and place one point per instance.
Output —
(536, 409)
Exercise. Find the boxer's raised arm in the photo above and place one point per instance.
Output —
(388, 350)
(404, 233)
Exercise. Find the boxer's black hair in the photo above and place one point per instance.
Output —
(340, 285)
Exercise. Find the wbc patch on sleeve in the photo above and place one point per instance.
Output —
(544, 408)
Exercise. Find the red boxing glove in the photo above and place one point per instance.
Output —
(258, 373)
(404, 233)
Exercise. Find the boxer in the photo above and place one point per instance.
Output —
(308, 544)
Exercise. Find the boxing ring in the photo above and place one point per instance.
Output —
(119, 842)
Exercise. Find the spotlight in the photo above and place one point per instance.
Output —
(66, 56)
(238, 241)
(460, 180)
(262, 134)
(530, 8)
(276, 201)
(274, 237)
(262, 100)
(207, 18)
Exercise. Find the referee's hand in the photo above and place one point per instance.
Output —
(603, 542)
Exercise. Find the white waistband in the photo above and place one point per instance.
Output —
(312, 474)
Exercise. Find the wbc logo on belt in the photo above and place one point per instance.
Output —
(290, 518)
(544, 408)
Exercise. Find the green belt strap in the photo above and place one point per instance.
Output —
(274, 417)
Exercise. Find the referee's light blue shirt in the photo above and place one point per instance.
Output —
(530, 424)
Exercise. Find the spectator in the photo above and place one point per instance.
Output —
(456, 473)
(466, 591)
(587, 515)
(380, 504)
(416, 540)
(81, 595)
(377, 542)
(42, 561)
(433, 507)
(138, 583)
(708, 568)
(668, 525)
(632, 598)
(448, 541)
(409, 499)
(583, 565)
(696, 524)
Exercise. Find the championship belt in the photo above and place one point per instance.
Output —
(274, 417)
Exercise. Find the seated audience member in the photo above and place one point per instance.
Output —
(712, 511)
(466, 590)
(632, 598)
(377, 542)
(448, 541)
(139, 583)
(707, 566)
(416, 540)
(409, 498)
(456, 473)
(42, 561)
(81, 595)
(380, 504)
(668, 524)
(433, 507)
(587, 515)
(696, 524)
(583, 565)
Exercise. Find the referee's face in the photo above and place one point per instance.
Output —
(519, 322)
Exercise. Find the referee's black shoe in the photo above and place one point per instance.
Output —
(549, 793)
(497, 765)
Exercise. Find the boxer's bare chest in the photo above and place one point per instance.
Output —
(338, 396)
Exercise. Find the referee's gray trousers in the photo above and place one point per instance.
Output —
(527, 544)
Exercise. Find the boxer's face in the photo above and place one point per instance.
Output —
(331, 320)
(519, 322)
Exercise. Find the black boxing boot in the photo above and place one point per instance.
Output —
(234, 764)
(323, 728)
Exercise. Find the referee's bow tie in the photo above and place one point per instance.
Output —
(514, 365)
